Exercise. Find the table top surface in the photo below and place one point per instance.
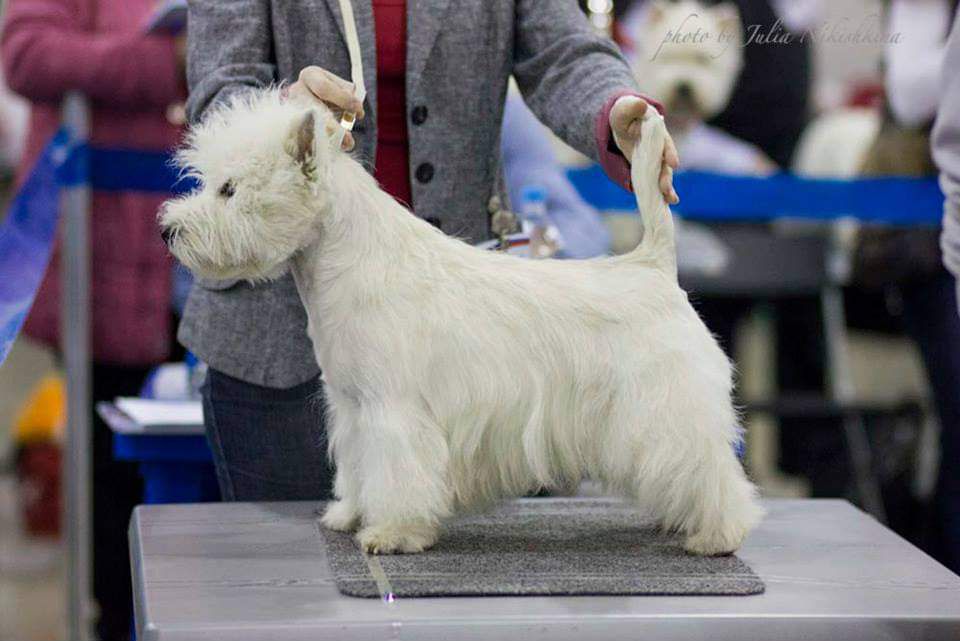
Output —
(248, 571)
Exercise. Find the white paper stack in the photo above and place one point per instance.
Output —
(149, 416)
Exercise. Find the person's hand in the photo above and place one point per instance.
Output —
(316, 83)
(626, 117)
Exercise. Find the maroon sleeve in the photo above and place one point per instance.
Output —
(46, 54)
(611, 159)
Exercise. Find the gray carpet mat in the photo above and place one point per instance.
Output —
(541, 547)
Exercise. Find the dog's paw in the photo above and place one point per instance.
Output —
(715, 543)
(403, 539)
(340, 516)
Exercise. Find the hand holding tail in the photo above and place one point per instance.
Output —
(657, 244)
(626, 121)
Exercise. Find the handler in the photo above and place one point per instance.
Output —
(437, 72)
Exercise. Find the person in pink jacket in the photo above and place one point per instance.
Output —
(98, 48)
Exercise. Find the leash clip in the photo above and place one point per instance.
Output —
(348, 119)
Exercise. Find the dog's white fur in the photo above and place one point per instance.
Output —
(457, 377)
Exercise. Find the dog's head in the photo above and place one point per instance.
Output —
(262, 165)
(690, 56)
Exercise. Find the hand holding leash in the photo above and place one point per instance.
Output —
(336, 91)
(316, 83)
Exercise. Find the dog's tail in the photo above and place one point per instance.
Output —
(657, 244)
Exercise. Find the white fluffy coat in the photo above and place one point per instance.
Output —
(457, 377)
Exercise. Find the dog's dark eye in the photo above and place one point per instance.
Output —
(227, 189)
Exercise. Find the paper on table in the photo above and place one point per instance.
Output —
(151, 413)
(170, 18)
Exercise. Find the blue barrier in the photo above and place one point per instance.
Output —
(26, 236)
(716, 197)
(128, 170)
(27, 233)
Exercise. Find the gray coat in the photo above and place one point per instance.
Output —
(460, 54)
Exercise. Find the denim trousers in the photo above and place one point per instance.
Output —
(267, 444)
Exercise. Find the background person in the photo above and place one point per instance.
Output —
(97, 48)
(898, 282)
(946, 151)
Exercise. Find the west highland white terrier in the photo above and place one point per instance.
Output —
(457, 377)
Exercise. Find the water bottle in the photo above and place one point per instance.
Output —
(544, 236)
(196, 375)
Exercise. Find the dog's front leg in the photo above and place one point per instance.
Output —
(404, 493)
(343, 514)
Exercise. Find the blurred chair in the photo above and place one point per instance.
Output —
(767, 266)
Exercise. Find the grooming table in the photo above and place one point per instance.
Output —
(246, 571)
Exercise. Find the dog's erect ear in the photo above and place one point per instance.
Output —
(301, 143)
(728, 17)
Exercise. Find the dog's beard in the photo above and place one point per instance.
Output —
(203, 266)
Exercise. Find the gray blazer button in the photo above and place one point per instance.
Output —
(419, 115)
(425, 173)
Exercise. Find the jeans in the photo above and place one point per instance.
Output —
(268, 444)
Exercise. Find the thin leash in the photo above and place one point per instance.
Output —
(503, 221)
(348, 119)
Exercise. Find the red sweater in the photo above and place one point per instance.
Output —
(97, 47)
(393, 155)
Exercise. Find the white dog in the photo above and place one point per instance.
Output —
(690, 56)
(457, 377)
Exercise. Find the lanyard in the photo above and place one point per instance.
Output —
(348, 119)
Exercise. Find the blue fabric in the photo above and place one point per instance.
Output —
(716, 197)
(528, 160)
(28, 231)
(26, 235)
(129, 170)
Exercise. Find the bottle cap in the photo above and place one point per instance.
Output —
(533, 194)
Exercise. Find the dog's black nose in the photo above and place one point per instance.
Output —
(167, 234)
(684, 90)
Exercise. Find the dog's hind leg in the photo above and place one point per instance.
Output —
(404, 493)
(685, 470)
(721, 508)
